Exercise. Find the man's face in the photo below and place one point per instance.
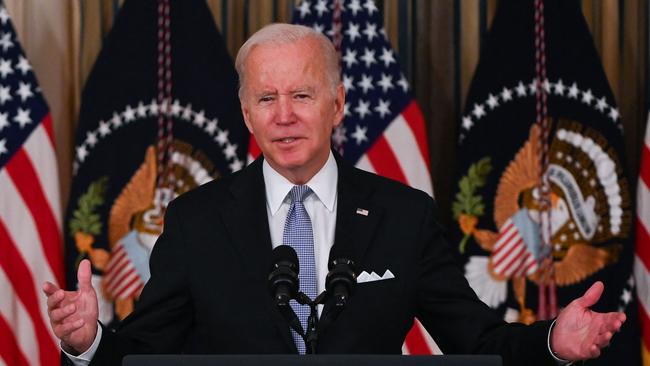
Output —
(289, 105)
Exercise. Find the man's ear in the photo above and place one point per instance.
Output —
(339, 105)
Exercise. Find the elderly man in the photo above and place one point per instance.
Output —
(209, 268)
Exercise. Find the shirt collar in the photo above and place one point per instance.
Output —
(323, 184)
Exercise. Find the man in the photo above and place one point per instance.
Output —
(209, 268)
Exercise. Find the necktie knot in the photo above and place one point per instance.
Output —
(299, 193)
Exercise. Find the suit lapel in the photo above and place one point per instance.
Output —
(357, 219)
(247, 222)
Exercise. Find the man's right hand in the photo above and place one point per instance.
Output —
(73, 314)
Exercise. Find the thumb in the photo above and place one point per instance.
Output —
(83, 275)
(592, 295)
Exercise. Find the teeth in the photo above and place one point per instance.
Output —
(288, 139)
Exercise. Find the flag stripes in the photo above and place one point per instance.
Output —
(642, 249)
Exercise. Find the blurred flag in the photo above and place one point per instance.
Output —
(642, 258)
(30, 215)
(159, 116)
(530, 249)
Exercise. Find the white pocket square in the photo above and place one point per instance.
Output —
(373, 276)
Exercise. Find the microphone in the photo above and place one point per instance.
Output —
(341, 280)
(283, 280)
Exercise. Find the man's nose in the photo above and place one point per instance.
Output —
(285, 112)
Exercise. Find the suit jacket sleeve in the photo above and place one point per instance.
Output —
(163, 316)
(458, 321)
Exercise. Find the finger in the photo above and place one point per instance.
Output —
(594, 351)
(66, 328)
(49, 288)
(603, 339)
(83, 275)
(55, 299)
(59, 315)
(591, 296)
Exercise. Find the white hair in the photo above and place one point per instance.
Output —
(280, 34)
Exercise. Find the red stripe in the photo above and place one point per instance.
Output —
(253, 148)
(116, 257)
(26, 180)
(125, 281)
(502, 241)
(415, 341)
(384, 161)
(21, 279)
(119, 277)
(123, 293)
(642, 247)
(47, 123)
(645, 326)
(503, 257)
(644, 173)
(414, 118)
(117, 272)
(514, 259)
(9, 350)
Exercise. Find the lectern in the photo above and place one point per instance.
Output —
(310, 360)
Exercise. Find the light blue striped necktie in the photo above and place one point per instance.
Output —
(299, 235)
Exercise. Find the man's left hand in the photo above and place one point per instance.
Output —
(580, 333)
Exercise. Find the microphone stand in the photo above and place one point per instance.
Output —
(311, 335)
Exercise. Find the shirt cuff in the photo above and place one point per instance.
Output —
(559, 361)
(85, 358)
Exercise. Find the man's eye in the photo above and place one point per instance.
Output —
(302, 96)
(266, 99)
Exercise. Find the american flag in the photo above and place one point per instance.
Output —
(383, 130)
(642, 257)
(511, 256)
(30, 217)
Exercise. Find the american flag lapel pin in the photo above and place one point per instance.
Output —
(362, 211)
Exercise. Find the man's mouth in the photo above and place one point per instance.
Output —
(286, 140)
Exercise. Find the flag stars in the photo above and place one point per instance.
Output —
(5, 41)
(4, 15)
(129, 114)
(365, 83)
(321, 7)
(386, 82)
(520, 89)
(5, 68)
(4, 120)
(506, 94)
(104, 128)
(318, 27)
(573, 91)
(492, 101)
(601, 104)
(547, 86)
(362, 109)
(24, 91)
(360, 134)
(23, 65)
(222, 137)
(532, 87)
(387, 56)
(187, 112)
(346, 109)
(236, 165)
(199, 119)
(5, 94)
(350, 58)
(91, 138)
(613, 114)
(176, 108)
(370, 6)
(467, 123)
(478, 111)
(211, 126)
(304, 8)
(153, 108)
(370, 31)
(587, 97)
(354, 6)
(348, 82)
(368, 57)
(82, 153)
(22, 117)
(230, 151)
(338, 136)
(141, 110)
(353, 32)
(383, 108)
(559, 87)
(116, 120)
(3, 146)
(403, 83)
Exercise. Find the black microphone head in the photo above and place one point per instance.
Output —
(286, 255)
(341, 280)
(283, 283)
